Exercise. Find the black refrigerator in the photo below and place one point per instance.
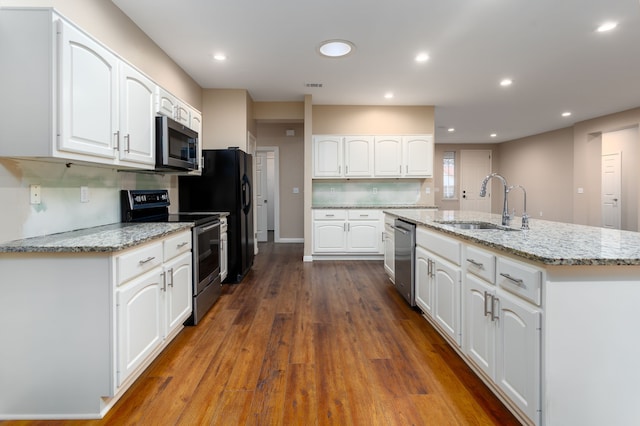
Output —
(225, 186)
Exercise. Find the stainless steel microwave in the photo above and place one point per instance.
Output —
(176, 146)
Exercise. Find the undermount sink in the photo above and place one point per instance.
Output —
(476, 225)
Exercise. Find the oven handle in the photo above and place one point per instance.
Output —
(208, 228)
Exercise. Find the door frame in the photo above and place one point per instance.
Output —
(276, 188)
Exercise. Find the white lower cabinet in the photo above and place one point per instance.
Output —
(502, 333)
(153, 306)
(348, 232)
(389, 248)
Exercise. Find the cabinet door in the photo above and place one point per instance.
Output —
(388, 156)
(518, 353)
(358, 156)
(137, 117)
(479, 330)
(418, 156)
(166, 103)
(179, 291)
(389, 251)
(88, 95)
(224, 256)
(446, 287)
(363, 236)
(327, 156)
(423, 282)
(140, 319)
(329, 236)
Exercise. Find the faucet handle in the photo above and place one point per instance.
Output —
(525, 221)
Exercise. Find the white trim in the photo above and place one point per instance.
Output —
(290, 240)
(307, 258)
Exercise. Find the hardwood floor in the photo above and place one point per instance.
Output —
(298, 343)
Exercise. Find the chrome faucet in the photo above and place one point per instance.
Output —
(525, 216)
(505, 208)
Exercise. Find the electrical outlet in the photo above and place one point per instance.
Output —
(84, 194)
(375, 190)
(35, 194)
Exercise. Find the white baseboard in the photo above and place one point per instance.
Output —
(290, 240)
(307, 258)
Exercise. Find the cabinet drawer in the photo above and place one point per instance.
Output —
(138, 261)
(180, 243)
(481, 263)
(363, 214)
(329, 214)
(444, 247)
(520, 279)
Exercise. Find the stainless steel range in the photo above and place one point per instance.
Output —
(153, 206)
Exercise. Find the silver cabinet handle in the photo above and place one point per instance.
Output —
(329, 215)
(487, 297)
(475, 263)
(164, 281)
(339, 169)
(127, 138)
(183, 244)
(346, 170)
(518, 281)
(494, 316)
(117, 144)
(147, 260)
(170, 275)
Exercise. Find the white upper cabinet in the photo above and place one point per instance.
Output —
(89, 96)
(169, 105)
(373, 156)
(137, 117)
(358, 156)
(418, 156)
(404, 156)
(327, 156)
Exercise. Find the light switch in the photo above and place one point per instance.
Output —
(296, 190)
(84, 194)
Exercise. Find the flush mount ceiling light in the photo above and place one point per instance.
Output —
(219, 57)
(493, 135)
(336, 48)
(506, 82)
(566, 114)
(607, 26)
(451, 130)
(422, 57)
(388, 95)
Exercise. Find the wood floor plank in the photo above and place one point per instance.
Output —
(298, 343)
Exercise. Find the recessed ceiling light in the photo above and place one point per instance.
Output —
(220, 57)
(493, 135)
(607, 26)
(336, 48)
(422, 57)
(451, 130)
(566, 114)
(388, 95)
(506, 82)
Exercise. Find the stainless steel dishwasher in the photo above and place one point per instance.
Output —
(405, 244)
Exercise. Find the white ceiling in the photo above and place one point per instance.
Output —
(550, 48)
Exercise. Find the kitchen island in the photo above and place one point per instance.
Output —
(559, 343)
(84, 312)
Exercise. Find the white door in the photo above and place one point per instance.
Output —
(261, 195)
(611, 182)
(446, 288)
(358, 156)
(475, 165)
(363, 236)
(388, 156)
(479, 333)
(417, 152)
(423, 282)
(327, 156)
(178, 292)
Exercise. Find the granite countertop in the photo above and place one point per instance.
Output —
(105, 238)
(551, 243)
(364, 206)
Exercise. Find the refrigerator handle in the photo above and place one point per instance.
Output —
(246, 203)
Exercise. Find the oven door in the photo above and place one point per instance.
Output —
(206, 255)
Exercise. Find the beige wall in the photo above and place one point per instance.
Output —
(291, 174)
(288, 112)
(226, 118)
(372, 120)
(106, 23)
(587, 153)
(543, 164)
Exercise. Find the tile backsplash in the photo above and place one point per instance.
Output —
(365, 193)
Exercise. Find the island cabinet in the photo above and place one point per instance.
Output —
(502, 332)
(348, 232)
(389, 247)
(438, 282)
(94, 319)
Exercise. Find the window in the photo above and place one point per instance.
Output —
(448, 174)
